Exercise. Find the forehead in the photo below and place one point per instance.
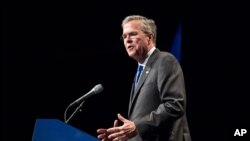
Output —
(132, 26)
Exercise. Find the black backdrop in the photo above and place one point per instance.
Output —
(54, 52)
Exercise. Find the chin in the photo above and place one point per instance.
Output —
(131, 55)
(131, 52)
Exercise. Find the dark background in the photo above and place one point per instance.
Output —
(54, 52)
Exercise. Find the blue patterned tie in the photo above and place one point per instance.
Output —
(139, 71)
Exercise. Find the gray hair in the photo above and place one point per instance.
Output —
(147, 25)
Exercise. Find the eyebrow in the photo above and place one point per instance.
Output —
(130, 33)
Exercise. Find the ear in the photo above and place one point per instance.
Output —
(150, 37)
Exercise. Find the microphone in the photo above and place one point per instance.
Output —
(97, 89)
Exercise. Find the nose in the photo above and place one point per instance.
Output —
(128, 40)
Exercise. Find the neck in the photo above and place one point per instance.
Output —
(141, 59)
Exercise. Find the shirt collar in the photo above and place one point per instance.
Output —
(148, 55)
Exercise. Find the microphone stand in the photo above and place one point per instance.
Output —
(78, 109)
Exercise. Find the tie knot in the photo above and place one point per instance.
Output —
(140, 68)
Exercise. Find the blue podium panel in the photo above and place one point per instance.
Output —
(56, 130)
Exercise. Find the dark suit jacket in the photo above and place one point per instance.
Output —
(157, 103)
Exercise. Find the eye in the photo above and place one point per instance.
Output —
(123, 37)
(130, 35)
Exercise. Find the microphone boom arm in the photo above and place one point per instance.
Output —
(97, 89)
(78, 109)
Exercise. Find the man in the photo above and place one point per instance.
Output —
(158, 100)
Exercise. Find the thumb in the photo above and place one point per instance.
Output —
(115, 123)
(121, 118)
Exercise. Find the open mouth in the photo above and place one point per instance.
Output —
(130, 47)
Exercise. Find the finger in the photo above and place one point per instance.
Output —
(116, 139)
(101, 130)
(115, 123)
(124, 137)
(115, 135)
(121, 118)
(121, 138)
(101, 136)
(113, 129)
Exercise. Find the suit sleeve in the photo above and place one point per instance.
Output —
(171, 89)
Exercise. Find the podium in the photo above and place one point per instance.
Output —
(56, 130)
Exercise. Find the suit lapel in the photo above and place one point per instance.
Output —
(135, 89)
(141, 81)
(131, 95)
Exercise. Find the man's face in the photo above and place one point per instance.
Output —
(135, 41)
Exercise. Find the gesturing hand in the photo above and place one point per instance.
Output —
(103, 134)
(124, 132)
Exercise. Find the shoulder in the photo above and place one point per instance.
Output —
(162, 58)
(167, 64)
(167, 57)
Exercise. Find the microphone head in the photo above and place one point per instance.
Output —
(98, 88)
